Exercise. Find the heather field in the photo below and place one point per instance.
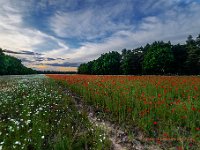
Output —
(36, 114)
(165, 109)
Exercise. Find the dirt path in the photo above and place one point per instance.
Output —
(119, 138)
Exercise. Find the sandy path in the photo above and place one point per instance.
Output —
(118, 137)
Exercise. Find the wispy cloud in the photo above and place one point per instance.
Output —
(21, 52)
(92, 22)
(65, 64)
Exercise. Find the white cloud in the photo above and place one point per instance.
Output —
(171, 26)
(172, 23)
(14, 35)
(90, 23)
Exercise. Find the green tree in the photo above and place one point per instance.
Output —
(198, 41)
(155, 58)
(2, 63)
(193, 59)
(132, 61)
(1, 51)
(97, 67)
(158, 58)
(12, 66)
(111, 63)
(83, 69)
(180, 57)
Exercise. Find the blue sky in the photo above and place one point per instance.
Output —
(61, 34)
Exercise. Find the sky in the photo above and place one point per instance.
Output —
(61, 34)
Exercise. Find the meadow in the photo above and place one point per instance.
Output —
(166, 109)
(35, 114)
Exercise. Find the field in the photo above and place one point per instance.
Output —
(164, 109)
(54, 112)
(36, 113)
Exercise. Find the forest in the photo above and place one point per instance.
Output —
(158, 58)
(12, 66)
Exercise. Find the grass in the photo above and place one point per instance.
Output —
(165, 108)
(36, 114)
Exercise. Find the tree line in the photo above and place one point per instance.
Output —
(158, 58)
(12, 66)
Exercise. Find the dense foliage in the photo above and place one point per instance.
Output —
(156, 58)
(12, 66)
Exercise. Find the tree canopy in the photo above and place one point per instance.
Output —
(12, 66)
(156, 58)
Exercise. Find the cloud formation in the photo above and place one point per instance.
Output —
(91, 23)
(65, 64)
(49, 32)
(21, 52)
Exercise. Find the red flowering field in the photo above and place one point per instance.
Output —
(163, 107)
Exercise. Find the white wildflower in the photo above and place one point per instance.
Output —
(1, 143)
(27, 122)
(10, 128)
(37, 112)
(17, 122)
(18, 143)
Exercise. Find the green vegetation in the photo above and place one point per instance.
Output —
(12, 66)
(156, 58)
(36, 114)
(166, 109)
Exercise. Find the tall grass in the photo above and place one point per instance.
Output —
(36, 114)
(164, 107)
